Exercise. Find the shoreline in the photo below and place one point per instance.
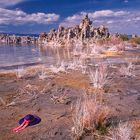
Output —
(15, 67)
(86, 81)
(52, 97)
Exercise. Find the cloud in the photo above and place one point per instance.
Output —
(125, 1)
(97, 16)
(19, 17)
(116, 20)
(6, 3)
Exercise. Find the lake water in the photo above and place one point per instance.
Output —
(20, 56)
(15, 56)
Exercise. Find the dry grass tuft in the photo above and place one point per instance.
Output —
(123, 132)
(98, 77)
(88, 117)
(127, 70)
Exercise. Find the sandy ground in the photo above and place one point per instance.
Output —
(53, 97)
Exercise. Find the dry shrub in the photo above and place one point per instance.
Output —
(99, 76)
(42, 74)
(120, 47)
(122, 132)
(25, 94)
(89, 116)
(21, 72)
(115, 40)
(117, 44)
(135, 40)
(124, 37)
(135, 128)
(127, 70)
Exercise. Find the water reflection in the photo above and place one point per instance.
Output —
(17, 56)
(14, 56)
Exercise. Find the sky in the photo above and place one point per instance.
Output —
(35, 16)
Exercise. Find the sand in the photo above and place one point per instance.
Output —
(53, 98)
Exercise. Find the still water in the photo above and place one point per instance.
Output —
(15, 56)
(20, 56)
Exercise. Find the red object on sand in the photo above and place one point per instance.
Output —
(22, 126)
(28, 120)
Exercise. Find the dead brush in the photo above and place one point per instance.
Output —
(26, 94)
(120, 47)
(62, 98)
(98, 77)
(127, 70)
(122, 132)
(43, 74)
(26, 73)
(20, 72)
(89, 116)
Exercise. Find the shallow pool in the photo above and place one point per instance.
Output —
(15, 56)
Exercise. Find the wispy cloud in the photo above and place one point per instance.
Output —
(19, 17)
(97, 16)
(5, 3)
(126, 1)
(115, 20)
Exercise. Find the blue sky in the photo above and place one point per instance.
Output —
(35, 16)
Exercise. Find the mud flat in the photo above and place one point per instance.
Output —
(52, 98)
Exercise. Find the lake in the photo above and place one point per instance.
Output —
(16, 56)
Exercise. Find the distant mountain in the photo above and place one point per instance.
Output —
(17, 34)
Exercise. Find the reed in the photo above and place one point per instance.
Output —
(98, 77)
(127, 70)
(89, 116)
(122, 132)
(43, 74)
(20, 72)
